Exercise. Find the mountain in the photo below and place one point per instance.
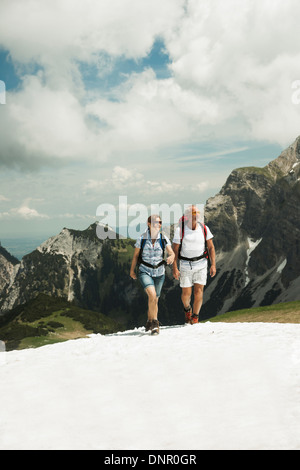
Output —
(256, 222)
(81, 268)
(255, 219)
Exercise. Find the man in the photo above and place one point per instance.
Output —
(151, 274)
(190, 249)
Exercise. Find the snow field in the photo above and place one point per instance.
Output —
(206, 386)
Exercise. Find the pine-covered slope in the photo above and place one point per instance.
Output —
(46, 320)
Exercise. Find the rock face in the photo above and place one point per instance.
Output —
(8, 268)
(256, 222)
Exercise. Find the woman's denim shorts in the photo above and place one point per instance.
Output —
(146, 280)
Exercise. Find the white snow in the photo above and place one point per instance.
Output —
(282, 266)
(206, 386)
(252, 245)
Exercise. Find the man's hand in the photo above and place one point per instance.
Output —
(213, 270)
(176, 273)
(133, 275)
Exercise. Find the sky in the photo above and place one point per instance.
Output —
(155, 100)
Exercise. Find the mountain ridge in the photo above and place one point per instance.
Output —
(256, 221)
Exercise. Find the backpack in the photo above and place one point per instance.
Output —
(162, 242)
(182, 222)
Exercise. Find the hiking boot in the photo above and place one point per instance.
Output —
(148, 325)
(188, 314)
(194, 319)
(155, 327)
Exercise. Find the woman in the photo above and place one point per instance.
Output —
(149, 253)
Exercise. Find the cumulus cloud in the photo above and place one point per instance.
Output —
(47, 121)
(244, 56)
(28, 213)
(231, 69)
(57, 33)
(125, 180)
(23, 212)
(152, 113)
(49, 43)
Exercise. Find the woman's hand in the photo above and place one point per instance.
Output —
(133, 275)
(170, 259)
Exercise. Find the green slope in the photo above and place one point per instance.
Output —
(288, 312)
(47, 320)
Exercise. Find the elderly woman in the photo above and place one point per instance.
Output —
(149, 254)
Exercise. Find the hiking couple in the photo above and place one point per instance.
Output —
(192, 245)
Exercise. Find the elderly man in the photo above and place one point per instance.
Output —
(192, 245)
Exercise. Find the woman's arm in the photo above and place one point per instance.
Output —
(134, 263)
(171, 254)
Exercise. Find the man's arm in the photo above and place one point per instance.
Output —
(176, 272)
(212, 257)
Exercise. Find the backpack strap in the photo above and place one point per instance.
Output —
(181, 227)
(163, 243)
(143, 242)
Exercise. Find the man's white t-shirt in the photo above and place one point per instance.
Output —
(193, 244)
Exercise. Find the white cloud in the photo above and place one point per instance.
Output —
(48, 112)
(46, 123)
(28, 213)
(58, 32)
(232, 66)
(130, 181)
(244, 57)
(23, 212)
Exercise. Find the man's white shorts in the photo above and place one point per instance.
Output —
(189, 278)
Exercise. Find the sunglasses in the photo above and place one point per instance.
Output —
(157, 222)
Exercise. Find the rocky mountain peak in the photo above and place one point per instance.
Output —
(288, 162)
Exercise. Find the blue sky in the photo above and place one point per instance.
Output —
(155, 100)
